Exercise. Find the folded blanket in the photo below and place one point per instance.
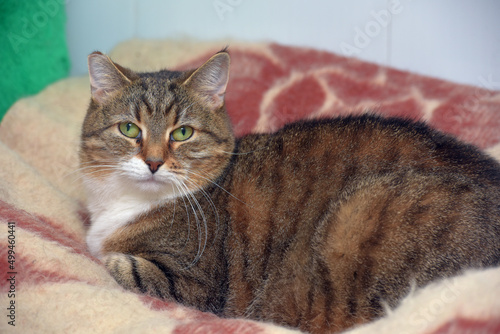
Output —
(51, 284)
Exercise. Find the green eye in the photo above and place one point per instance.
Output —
(182, 133)
(129, 129)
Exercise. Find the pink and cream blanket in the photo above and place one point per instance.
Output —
(51, 284)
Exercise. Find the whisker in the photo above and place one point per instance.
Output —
(211, 203)
(99, 169)
(198, 225)
(244, 153)
(80, 169)
(220, 187)
(183, 111)
(183, 197)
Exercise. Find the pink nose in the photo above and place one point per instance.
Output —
(154, 165)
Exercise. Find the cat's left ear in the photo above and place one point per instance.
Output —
(209, 81)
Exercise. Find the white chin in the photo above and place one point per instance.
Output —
(150, 185)
(153, 186)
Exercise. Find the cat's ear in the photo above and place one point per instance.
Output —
(106, 77)
(209, 81)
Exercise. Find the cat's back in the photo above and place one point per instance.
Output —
(364, 144)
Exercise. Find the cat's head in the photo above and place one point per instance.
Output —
(162, 133)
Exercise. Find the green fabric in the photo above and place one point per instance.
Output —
(33, 50)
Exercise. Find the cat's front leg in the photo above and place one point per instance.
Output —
(137, 274)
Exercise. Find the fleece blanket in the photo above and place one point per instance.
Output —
(49, 283)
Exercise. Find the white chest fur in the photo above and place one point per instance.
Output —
(110, 215)
(112, 206)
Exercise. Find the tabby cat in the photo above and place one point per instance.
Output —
(318, 226)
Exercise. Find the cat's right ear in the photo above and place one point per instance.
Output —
(106, 77)
(209, 81)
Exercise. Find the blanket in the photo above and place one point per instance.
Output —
(51, 284)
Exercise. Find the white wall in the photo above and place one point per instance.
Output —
(458, 40)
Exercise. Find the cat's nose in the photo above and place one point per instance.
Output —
(154, 165)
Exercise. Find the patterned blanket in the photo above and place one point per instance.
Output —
(49, 283)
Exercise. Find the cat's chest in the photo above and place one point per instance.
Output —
(109, 215)
(112, 205)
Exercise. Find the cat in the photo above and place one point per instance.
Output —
(319, 225)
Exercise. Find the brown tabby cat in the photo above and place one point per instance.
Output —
(316, 226)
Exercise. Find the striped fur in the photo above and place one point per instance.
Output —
(316, 226)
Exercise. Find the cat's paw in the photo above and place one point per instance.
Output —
(121, 267)
(136, 273)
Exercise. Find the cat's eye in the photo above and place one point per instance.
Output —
(182, 133)
(129, 129)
